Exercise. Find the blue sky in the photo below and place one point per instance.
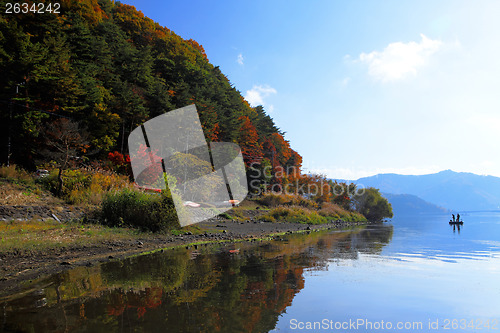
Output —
(361, 87)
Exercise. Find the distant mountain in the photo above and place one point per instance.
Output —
(408, 204)
(459, 191)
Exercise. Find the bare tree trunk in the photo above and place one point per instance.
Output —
(60, 183)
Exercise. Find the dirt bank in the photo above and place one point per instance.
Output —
(18, 266)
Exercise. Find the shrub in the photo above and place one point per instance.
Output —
(119, 163)
(294, 214)
(354, 216)
(272, 200)
(298, 214)
(85, 185)
(226, 216)
(49, 182)
(132, 208)
(275, 200)
(373, 205)
(13, 172)
(299, 200)
(333, 212)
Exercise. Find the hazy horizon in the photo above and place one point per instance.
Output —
(412, 174)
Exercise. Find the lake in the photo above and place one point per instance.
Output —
(414, 274)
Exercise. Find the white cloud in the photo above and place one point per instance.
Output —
(398, 60)
(258, 93)
(240, 59)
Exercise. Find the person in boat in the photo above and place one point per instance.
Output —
(458, 217)
(453, 217)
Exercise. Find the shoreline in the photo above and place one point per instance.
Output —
(20, 268)
(41, 235)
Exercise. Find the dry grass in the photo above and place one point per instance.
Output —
(300, 214)
(248, 204)
(275, 200)
(243, 210)
(85, 186)
(14, 173)
(15, 194)
(101, 182)
(18, 187)
(333, 211)
(294, 214)
(40, 235)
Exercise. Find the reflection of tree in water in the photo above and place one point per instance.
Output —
(178, 291)
(372, 240)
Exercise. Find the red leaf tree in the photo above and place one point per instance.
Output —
(248, 140)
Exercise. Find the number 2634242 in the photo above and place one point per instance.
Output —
(35, 8)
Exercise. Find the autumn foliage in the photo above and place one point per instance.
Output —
(248, 140)
(108, 68)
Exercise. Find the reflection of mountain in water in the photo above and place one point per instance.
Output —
(206, 289)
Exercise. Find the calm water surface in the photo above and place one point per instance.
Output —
(413, 274)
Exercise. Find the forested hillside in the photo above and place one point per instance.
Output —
(106, 67)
